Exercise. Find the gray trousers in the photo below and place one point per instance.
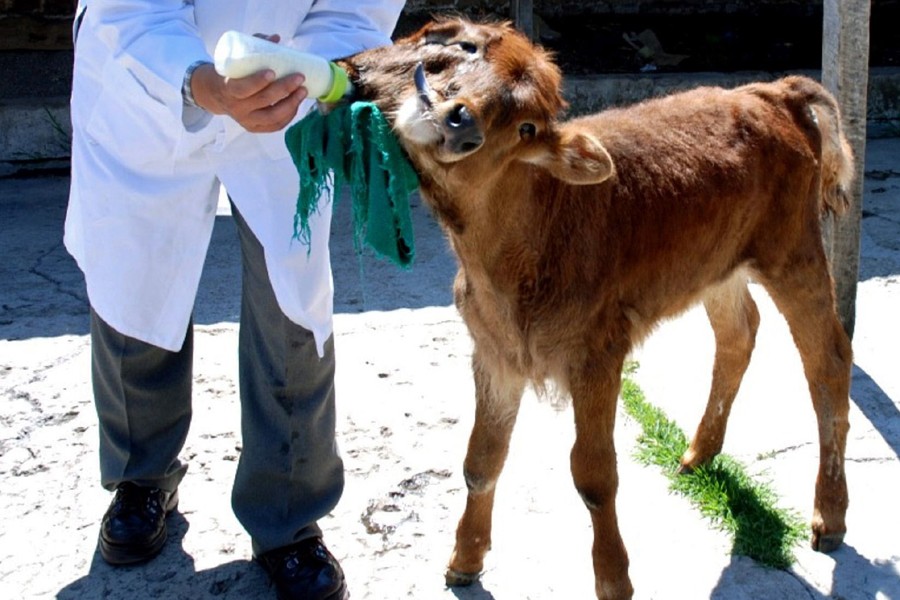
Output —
(290, 473)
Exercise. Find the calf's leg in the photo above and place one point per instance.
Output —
(595, 390)
(735, 320)
(497, 401)
(803, 292)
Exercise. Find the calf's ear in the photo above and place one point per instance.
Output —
(578, 158)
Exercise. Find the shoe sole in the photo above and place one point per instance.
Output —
(131, 555)
(342, 593)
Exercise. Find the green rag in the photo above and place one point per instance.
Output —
(354, 144)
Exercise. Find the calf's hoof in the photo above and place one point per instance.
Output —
(684, 469)
(456, 578)
(827, 542)
(692, 460)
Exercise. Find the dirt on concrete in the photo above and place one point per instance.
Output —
(405, 399)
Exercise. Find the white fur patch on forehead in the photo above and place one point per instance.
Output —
(471, 37)
(476, 33)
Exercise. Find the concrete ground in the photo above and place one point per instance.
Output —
(405, 401)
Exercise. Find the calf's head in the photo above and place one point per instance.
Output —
(467, 100)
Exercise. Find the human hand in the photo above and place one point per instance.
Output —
(258, 102)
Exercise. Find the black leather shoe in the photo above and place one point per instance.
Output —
(305, 571)
(134, 527)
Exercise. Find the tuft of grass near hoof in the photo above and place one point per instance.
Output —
(721, 490)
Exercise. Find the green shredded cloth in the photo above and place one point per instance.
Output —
(354, 142)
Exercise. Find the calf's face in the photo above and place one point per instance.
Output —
(466, 98)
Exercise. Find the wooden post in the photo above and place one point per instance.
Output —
(845, 72)
(522, 14)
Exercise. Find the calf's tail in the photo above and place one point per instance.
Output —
(836, 161)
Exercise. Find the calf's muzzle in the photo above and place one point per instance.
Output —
(460, 131)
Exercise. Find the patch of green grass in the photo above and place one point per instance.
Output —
(721, 490)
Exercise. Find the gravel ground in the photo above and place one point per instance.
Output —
(405, 401)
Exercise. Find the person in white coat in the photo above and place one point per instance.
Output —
(156, 133)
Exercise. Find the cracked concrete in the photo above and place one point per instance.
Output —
(405, 409)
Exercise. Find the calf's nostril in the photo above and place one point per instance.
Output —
(461, 132)
(460, 117)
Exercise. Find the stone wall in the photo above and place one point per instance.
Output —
(48, 8)
(569, 7)
(36, 24)
(46, 24)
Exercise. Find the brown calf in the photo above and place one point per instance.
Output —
(574, 238)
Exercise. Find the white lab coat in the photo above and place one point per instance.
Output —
(146, 169)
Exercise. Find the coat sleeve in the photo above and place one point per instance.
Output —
(336, 28)
(155, 40)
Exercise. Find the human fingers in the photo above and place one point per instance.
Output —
(273, 116)
(277, 90)
(244, 88)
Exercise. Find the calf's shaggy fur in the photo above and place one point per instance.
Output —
(575, 237)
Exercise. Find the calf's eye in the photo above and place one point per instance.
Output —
(469, 47)
(527, 131)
